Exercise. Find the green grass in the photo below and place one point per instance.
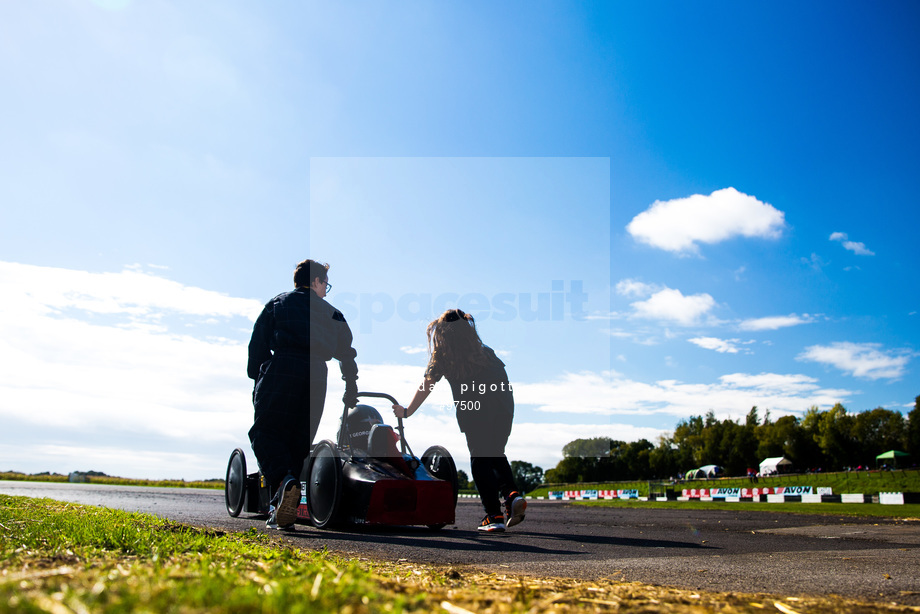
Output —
(61, 557)
(102, 560)
(868, 482)
(105, 479)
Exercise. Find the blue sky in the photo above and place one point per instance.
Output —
(714, 203)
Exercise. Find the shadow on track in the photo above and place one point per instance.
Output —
(458, 540)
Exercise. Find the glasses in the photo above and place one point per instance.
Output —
(328, 287)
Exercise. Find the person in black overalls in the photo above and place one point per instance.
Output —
(293, 337)
(485, 411)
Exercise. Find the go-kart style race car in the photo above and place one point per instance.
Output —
(363, 478)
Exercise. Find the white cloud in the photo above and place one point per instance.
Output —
(731, 396)
(634, 289)
(93, 376)
(771, 382)
(662, 304)
(864, 360)
(723, 346)
(141, 296)
(859, 249)
(671, 305)
(679, 225)
(93, 355)
(775, 322)
(416, 349)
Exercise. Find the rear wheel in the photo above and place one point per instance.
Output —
(324, 489)
(235, 483)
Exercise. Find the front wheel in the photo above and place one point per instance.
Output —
(324, 489)
(235, 483)
(439, 463)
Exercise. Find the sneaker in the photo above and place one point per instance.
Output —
(284, 514)
(515, 506)
(272, 522)
(492, 523)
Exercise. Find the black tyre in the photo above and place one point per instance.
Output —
(439, 463)
(324, 489)
(235, 483)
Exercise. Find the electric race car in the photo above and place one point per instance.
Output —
(361, 479)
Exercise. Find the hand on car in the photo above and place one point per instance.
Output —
(350, 397)
(400, 412)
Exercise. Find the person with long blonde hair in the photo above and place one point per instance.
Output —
(484, 403)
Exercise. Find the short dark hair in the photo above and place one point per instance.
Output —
(307, 271)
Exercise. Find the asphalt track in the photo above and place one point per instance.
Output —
(872, 559)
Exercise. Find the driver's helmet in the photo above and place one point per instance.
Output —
(358, 425)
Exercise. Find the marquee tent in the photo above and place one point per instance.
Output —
(777, 464)
(711, 471)
(893, 456)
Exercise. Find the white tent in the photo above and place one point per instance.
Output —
(777, 464)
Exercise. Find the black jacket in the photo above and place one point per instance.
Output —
(301, 323)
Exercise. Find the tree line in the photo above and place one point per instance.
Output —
(830, 440)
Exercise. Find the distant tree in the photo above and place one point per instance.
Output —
(913, 432)
(711, 438)
(877, 431)
(663, 459)
(572, 469)
(688, 437)
(585, 448)
(463, 480)
(752, 419)
(832, 431)
(636, 460)
(777, 438)
(526, 476)
(742, 449)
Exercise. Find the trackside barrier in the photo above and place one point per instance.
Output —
(779, 494)
(772, 494)
(891, 498)
(574, 495)
(898, 498)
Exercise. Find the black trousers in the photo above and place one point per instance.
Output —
(288, 401)
(486, 437)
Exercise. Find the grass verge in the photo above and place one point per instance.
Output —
(60, 557)
(112, 480)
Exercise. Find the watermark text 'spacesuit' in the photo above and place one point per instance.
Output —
(501, 307)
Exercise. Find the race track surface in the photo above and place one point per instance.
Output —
(748, 551)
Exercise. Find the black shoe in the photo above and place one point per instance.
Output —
(492, 524)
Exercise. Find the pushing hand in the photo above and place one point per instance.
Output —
(400, 412)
